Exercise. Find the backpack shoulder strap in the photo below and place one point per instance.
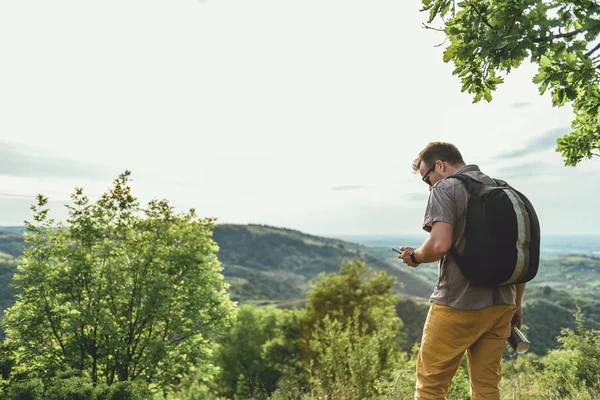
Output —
(501, 183)
(471, 184)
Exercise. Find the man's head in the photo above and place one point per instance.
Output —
(437, 161)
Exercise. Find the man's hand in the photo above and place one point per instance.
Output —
(405, 256)
(517, 319)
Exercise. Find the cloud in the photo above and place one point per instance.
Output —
(545, 142)
(15, 211)
(348, 187)
(30, 161)
(532, 170)
(421, 197)
(520, 171)
(521, 104)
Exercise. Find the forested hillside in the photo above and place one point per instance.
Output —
(263, 262)
(268, 265)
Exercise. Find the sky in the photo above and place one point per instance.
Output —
(305, 115)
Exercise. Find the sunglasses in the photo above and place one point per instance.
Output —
(429, 171)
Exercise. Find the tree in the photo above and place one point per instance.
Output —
(351, 333)
(354, 288)
(119, 293)
(261, 347)
(489, 37)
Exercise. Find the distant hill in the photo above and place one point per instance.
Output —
(13, 230)
(575, 274)
(263, 262)
(11, 244)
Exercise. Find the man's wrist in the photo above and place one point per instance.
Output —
(413, 258)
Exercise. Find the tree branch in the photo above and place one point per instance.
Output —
(431, 27)
(592, 51)
(485, 21)
(559, 36)
(441, 44)
(56, 331)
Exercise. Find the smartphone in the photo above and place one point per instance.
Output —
(397, 251)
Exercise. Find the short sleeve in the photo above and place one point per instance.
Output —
(441, 207)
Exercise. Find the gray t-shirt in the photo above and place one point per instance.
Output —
(448, 203)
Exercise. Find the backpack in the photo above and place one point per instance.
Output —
(502, 235)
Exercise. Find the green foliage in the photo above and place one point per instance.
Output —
(520, 374)
(32, 389)
(355, 289)
(350, 360)
(576, 363)
(571, 371)
(195, 389)
(546, 311)
(413, 314)
(491, 37)
(72, 388)
(351, 331)
(460, 387)
(124, 390)
(119, 293)
(260, 348)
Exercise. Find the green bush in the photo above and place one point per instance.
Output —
(72, 388)
(460, 387)
(260, 348)
(351, 333)
(128, 390)
(31, 389)
(575, 366)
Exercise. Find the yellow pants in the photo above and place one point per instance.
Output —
(448, 332)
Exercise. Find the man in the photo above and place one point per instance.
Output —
(462, 317)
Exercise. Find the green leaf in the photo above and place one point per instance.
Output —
(434, 11)
(539, 78)
(500, 44)
(571, 93)
(449, 53)
(545, 62)
(445, 8)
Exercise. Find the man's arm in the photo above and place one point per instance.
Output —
(518, 317)
(437, 244)
(435, 247)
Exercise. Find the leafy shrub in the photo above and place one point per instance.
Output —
(31, 389)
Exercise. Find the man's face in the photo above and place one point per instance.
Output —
(429, 174)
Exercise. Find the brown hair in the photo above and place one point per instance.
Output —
(438, 151)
